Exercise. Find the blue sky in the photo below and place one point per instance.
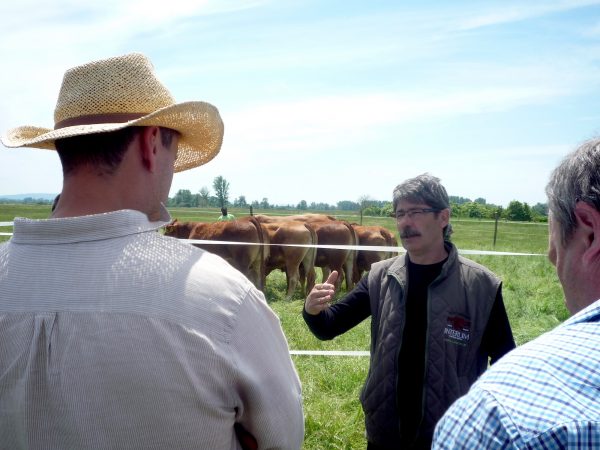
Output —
(331, 100)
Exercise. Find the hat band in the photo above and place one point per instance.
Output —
(94, 119)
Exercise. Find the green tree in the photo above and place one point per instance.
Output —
(240, 202)
(473, 210)
(518, 211)
(183, 197)
(364, 202)
(204, 197)
(347, 205)
(387, 210)
(265, 203)
(372, 211)
(302, 205)
(221, 187)
(321, 206)
(540, 209)
(458, 200)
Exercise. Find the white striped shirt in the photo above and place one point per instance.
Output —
(114, 336)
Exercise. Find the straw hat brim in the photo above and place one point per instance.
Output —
(199, 124)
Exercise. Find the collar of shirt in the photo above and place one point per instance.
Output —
(589, 314)
(85, 228)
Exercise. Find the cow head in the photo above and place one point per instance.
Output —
(172, 228)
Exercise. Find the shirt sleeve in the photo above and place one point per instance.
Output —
(498, 338)
(342, 315)
(268, 387)
(473, 421)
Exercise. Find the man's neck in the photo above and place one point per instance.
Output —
(86, 193)
(430, 257)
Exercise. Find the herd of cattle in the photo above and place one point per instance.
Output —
(294, 244)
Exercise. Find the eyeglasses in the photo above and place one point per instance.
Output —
(414, 213)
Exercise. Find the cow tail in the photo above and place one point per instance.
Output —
(312, 258)
(390, 239)
(353, 254)
(262, 252)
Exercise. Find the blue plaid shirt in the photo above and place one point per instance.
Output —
(542, 395)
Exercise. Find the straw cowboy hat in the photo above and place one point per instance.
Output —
(119, 92)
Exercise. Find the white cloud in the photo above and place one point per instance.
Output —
(337, 122)
(506, 12)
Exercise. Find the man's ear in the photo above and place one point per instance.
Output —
(445, 213)
(149, 141)
(588, 228)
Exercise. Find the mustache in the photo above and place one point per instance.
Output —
(408, 233)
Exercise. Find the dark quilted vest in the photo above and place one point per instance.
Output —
(459, 305)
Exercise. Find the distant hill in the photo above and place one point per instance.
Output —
(21, 197)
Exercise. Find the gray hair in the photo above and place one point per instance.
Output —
(424, 188)
(577, 178)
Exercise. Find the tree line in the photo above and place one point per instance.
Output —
(461, 207)
(26, 201)
(515, 211)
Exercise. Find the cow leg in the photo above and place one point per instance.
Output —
(348, 265)
(310, 281)
(256, 276)
(307, 279)
(246, 263)
(348, 272)
(302, 278)
(325, 270)
(340, 278)
(359, 266)
(293, 277)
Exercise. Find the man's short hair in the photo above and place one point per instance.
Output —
(102, 150)
(424, 188)
(427, 189)
(577, 178)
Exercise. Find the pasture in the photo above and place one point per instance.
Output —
(331, 384)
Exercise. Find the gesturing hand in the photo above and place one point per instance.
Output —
(321, 295)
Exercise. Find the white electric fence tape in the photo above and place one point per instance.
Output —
(374, 248)
(330, 352)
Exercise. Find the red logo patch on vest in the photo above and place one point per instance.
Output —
(458, 330)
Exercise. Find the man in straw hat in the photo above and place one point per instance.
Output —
(546, 393)
(112, 335)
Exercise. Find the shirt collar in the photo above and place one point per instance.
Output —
(591, 313)
(85, 228)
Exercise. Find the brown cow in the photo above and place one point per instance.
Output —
(329, 232)
(372, 235)
(298, 263)
(248, 259)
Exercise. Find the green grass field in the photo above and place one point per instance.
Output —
(334, 419)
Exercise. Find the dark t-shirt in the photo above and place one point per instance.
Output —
(411, 361)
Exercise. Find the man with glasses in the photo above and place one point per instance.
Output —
(437, 321)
